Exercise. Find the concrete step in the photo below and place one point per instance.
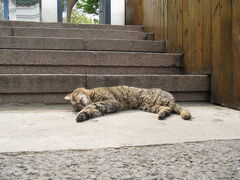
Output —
(69, 25)
(48, 43)
(74, 33)
(49, 88)
(87, 62)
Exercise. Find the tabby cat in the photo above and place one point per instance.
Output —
(97, 102)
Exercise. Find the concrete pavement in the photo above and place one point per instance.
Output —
(53, 127)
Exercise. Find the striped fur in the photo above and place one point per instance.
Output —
(97, 102)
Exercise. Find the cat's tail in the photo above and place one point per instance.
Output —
(184, 113)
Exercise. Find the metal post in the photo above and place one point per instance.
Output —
(6, 10)
(100, 12)
(40, 10)
(59, 11)
(108, 12)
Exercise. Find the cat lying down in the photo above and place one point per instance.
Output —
(97, 102)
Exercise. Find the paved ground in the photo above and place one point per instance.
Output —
(51, 131)
(43, 128)
(204, 160)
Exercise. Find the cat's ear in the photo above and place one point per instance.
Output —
(68, 97)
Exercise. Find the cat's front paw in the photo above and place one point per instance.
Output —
(164, 112)
(83, 116)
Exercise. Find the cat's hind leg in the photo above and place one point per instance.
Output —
(162, 111)
(98, 109)
(184, 113)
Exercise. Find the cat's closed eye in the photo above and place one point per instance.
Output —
(82, 99)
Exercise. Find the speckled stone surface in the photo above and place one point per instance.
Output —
(202, 160)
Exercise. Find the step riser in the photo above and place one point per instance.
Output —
(78, 62)
(66, 83)
(80, 44)
(67, 25)
(86, 70)
(58, 98)
(74, 33)
(52, 88)
(88, 58)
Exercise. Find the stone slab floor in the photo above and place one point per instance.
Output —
(45, 142)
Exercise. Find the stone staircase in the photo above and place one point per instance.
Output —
(42, 62)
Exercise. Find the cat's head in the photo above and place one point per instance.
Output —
(79, 98)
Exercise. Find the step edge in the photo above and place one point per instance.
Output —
(74, 29)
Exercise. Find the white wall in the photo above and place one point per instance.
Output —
(117, 12)
(30, 13)
(1, 10)
(12, 10)
(49, 10)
